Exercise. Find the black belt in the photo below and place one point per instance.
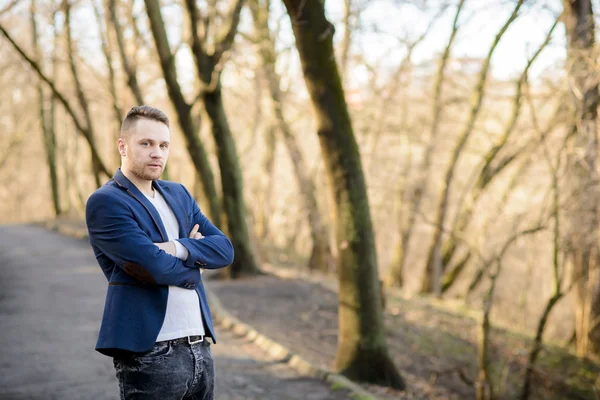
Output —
(195, 339)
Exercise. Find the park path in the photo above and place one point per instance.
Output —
(51, 301)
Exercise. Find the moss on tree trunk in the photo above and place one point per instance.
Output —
(362, 350)
(244, 262)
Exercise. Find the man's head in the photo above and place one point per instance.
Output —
(144, 142)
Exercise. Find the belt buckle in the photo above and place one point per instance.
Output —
(196, 341)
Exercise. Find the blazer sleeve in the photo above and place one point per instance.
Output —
(211, 252)
(113, 229)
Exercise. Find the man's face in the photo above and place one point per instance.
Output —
(146, 150)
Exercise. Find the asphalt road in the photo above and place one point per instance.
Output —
(51, 301)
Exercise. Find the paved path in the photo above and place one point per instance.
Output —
(51, 300)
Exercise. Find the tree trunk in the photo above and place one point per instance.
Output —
(557, 275)
(321, 257)
(66, 172)
(244, 262)
(47, 122)
(183, 110)
(432, 278)
(128, 68)
(267, 191)
(483, 385)
(105, 41)
(83, 102)
(347, 38)
(395, 275)
(209, 68)
(362, 349)
(583, 235)
(537, 346)
(74, 180)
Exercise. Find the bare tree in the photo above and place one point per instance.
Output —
(321, 255)
(129, 68)
(432, 278)
(187, 122)
(583, 215)
(82, 98)
(210, 61)
(483, 385)
(494, 162)
(362, 350)
(82, 128)
(395, 275)
(46, 119)
(350, 21)
(269, 185)
(556, 122)
(107, 50)
(558, 270)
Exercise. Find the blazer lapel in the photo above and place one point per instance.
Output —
(176, 206)
(134, 192)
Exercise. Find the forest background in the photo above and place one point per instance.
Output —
(472, 119)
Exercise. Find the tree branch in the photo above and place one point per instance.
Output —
(9, 7)
(80, 128)
(97, 165)
(227, 40)
(200, 55)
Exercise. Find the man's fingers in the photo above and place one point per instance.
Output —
(194, 231)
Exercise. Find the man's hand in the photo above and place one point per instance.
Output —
(194, 234)
(168, 247)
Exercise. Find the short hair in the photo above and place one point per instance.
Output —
(142, 112)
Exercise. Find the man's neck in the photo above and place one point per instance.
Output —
(144, 185)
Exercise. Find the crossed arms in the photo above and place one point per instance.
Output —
(116, 233)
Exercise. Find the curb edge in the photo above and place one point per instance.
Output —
(275, 349)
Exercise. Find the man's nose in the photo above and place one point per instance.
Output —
(157, 153)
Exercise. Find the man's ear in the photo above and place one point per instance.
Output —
(122, 147)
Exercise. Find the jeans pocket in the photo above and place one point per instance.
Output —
(159, 349)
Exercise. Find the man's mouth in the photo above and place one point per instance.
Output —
(155, 165)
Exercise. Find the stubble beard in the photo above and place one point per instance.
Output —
(139, 170)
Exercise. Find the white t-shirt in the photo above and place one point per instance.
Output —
(183, 316)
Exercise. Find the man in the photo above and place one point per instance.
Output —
(151, 240)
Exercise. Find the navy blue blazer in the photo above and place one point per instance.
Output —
(123, 226)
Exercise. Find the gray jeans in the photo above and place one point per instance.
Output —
(171, 370)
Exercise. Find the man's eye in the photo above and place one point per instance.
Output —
(144, 143)
(164, 146)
